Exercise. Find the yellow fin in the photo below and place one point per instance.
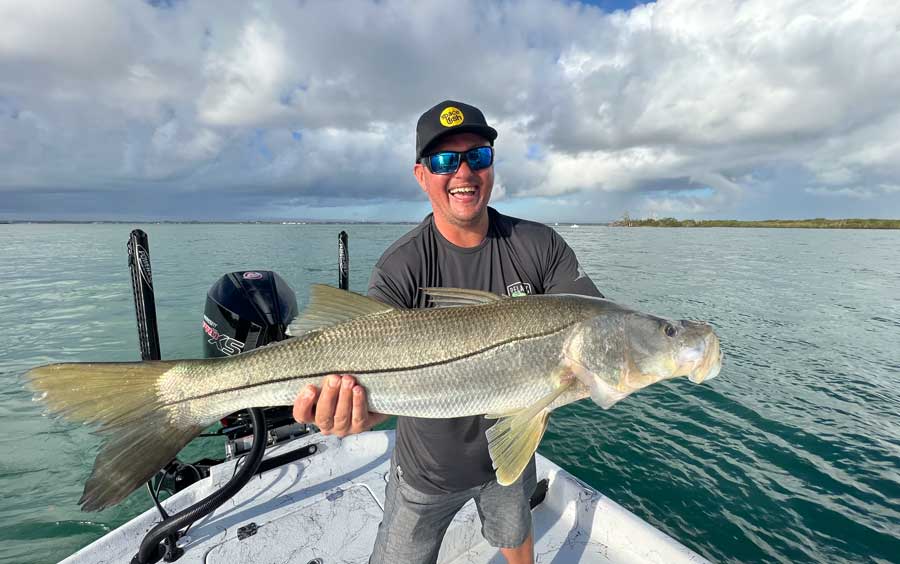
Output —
(104, 393)
(515, 446)
(450, 297)
(502, 414)
(121, 398)
(514, 438)
(329, 306)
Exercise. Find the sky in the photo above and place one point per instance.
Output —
(306, 110)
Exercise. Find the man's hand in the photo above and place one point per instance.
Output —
(340, 408)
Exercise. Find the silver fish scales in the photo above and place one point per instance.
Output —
(515, 359)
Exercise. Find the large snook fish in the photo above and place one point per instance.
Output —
(515, 359)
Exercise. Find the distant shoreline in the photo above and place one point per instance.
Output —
(212, 222)
(818, 223)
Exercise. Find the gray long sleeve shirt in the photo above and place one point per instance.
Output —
(517, 257)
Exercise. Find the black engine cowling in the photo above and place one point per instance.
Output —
(246, 310)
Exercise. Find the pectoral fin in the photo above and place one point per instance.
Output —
(515, 437)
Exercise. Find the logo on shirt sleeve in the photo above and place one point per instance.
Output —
(518, 289)
(581, 274)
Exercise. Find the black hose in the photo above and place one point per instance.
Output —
(160, 541)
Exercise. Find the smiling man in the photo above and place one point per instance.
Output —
(459, 193)
(440, 464)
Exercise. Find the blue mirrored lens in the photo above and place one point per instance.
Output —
(448, 161)
(444, 163)
(480, 158)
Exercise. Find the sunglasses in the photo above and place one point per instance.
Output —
(447, 162)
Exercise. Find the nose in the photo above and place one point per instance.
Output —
(464, 171)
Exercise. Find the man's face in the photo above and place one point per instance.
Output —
(461, 198)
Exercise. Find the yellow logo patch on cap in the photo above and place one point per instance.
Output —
(451, 117)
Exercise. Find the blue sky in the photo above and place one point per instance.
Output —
(613, 5)
(745, 109)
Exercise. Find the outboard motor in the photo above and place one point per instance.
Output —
(246, 310)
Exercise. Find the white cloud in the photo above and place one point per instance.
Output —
(607, 170)
(855, 192)
(673, 207)
(243, 86)
(314, 101)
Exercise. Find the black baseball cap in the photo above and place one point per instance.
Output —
(447, 118)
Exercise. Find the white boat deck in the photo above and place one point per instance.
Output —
(328, 507)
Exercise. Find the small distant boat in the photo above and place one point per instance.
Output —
(574, 226)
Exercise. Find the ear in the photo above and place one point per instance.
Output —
(420, 172)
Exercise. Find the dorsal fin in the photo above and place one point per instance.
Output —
(451, 297)
(329, 306)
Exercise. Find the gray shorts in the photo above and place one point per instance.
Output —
(414, 522)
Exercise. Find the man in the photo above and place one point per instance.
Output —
(439, 464)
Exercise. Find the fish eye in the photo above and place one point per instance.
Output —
(669, 330)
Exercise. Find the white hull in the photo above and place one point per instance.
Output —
(328, 506)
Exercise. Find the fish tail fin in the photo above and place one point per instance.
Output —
(122, 398)
(133, 455)
(104, 393)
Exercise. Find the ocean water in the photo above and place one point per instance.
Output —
(791, 455)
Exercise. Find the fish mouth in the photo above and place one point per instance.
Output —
(703, 362)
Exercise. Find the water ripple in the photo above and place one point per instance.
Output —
(791, 455)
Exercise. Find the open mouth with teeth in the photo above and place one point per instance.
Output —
(463, 193)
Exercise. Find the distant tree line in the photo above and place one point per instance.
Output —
(817, 223)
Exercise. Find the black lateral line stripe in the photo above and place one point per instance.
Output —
(362, 372)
